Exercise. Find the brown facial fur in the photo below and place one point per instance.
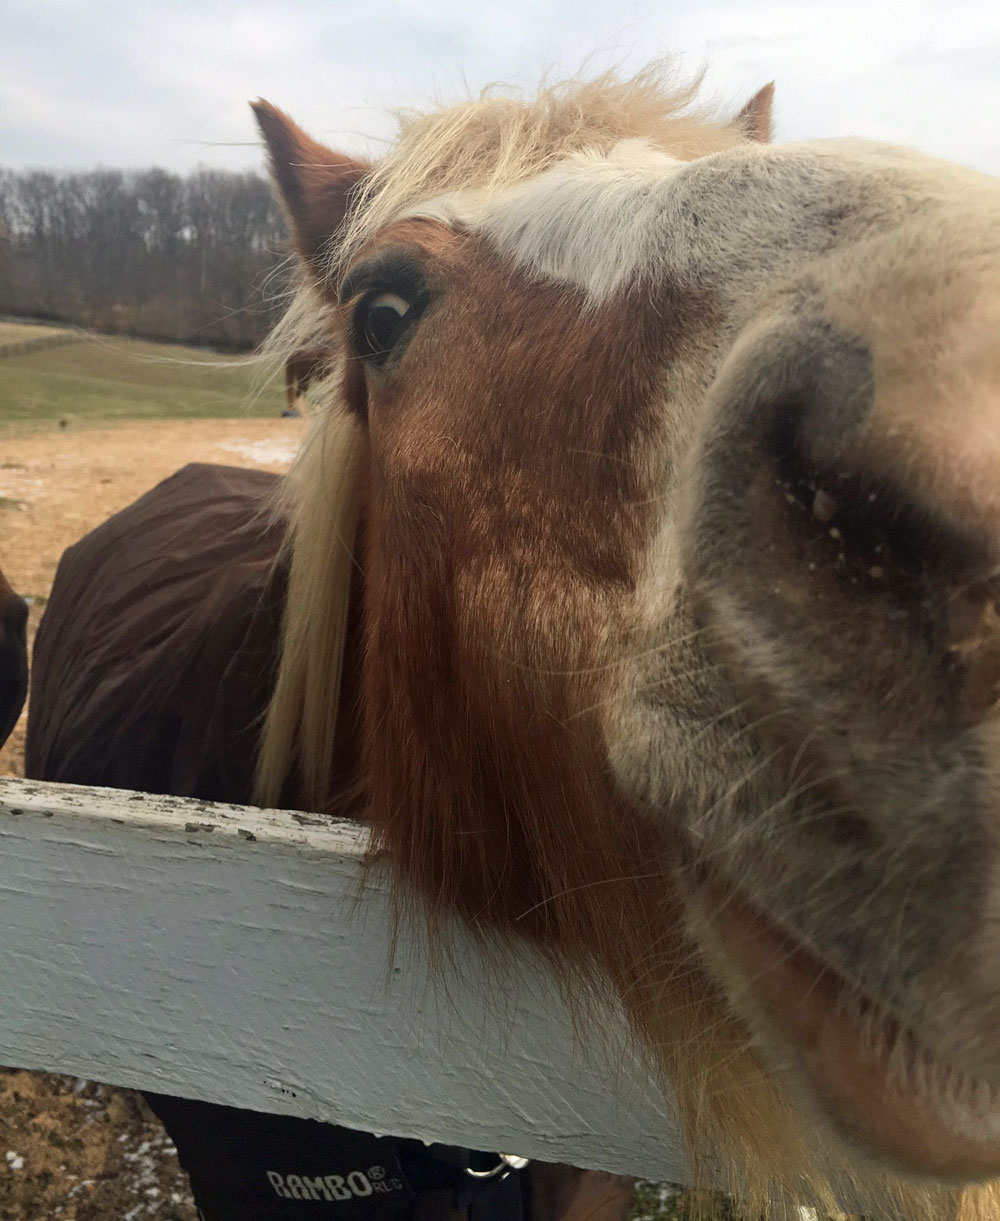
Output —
(497, 565)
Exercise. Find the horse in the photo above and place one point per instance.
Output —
(638, 586)
(302, 368)
(13, 657)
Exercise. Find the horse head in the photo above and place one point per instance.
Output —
(676, 457)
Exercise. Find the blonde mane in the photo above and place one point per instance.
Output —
(498, 140)
(485, 144)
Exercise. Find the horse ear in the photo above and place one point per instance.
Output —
(315, 183)
(754, 120)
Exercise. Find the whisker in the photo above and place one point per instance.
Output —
(627, 659)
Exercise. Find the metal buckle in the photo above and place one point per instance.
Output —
(507, 1163)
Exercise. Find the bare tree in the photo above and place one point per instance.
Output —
(147, 251)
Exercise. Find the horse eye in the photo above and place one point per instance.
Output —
(378, 323)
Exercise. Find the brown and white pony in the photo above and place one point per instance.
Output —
(642, 594)
(677, 457)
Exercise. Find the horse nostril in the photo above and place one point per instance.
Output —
(829, 529)
(881, 542)
(866, 524)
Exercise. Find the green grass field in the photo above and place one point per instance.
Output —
(106, 378)
(27, 332)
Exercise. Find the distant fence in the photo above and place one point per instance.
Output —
(242, 956)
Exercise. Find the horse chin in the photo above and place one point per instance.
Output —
(840, 1053)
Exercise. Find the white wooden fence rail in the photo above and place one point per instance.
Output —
(222, 952)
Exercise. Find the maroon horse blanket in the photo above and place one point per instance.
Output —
(155, 658)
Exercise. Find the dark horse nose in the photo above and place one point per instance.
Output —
(835, 525)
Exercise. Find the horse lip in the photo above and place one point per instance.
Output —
(873, 1078)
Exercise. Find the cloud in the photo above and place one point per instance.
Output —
(123, 84)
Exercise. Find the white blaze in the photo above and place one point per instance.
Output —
(589, 221)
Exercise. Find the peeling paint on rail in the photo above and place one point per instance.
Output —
(243, 956)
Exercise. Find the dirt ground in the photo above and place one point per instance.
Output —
(69, 1148)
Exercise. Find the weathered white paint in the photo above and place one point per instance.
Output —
(235, 954)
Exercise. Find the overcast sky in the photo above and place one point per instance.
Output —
(121, 83)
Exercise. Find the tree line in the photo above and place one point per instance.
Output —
(199, 258)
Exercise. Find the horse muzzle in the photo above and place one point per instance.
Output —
(843, 558)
